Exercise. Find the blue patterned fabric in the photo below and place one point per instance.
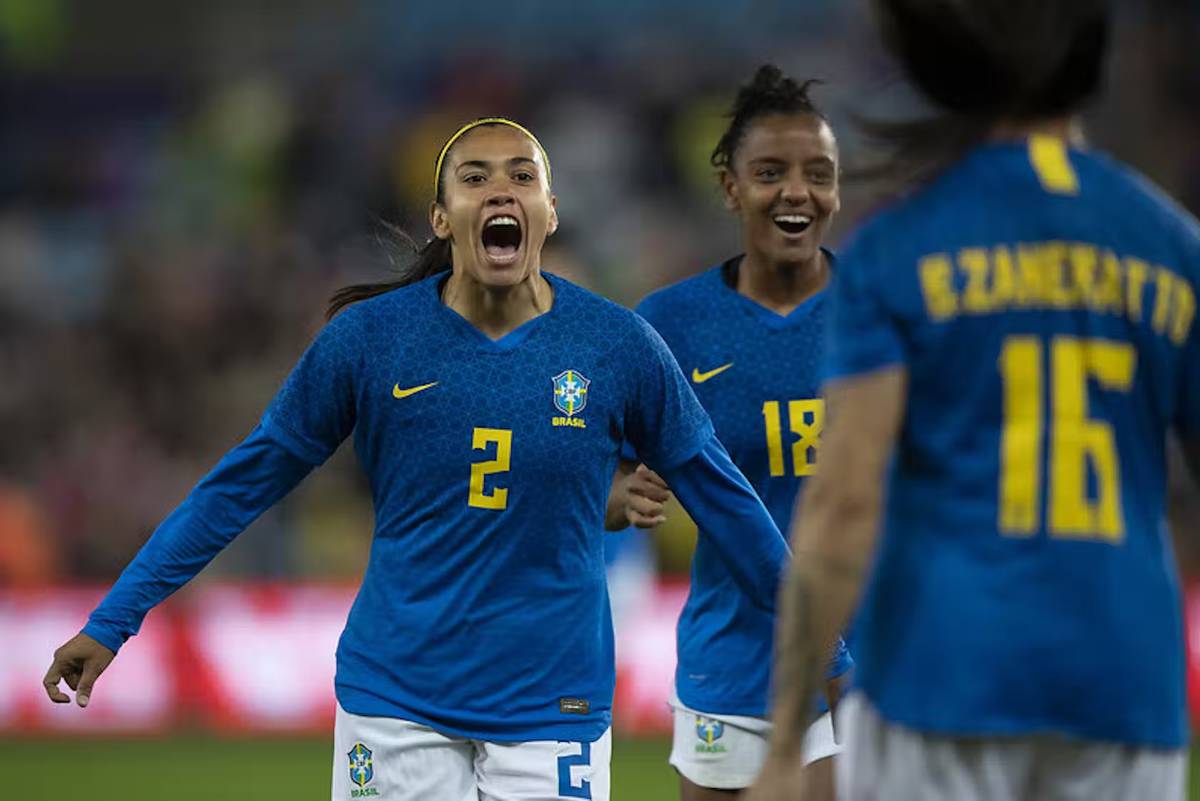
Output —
(1042, 301)
(484, 610)
(758, 375)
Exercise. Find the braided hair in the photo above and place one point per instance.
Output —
(769, 92)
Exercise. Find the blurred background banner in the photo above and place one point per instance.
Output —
(258, 658)
(182, 186)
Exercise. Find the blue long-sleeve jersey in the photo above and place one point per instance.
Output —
(483, 610)
(758, 375)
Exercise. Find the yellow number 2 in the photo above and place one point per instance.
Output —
(481, 438)
(1076, 441)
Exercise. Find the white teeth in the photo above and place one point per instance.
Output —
(504, 220)
(796, 219)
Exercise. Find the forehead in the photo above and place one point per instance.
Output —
(500, 143)
(788, 137)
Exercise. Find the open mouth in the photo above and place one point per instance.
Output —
(502, 238)
(792, 224)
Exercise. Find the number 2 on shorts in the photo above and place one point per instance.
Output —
(567, 788)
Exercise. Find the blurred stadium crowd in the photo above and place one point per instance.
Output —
(182, 188)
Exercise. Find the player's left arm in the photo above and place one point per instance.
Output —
(715, 493)
(834, 537)
(637, 497)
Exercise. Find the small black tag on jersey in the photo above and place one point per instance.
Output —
(574, 706)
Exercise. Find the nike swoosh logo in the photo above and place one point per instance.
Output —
(404, 393)
(699, 377)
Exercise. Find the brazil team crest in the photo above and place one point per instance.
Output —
(362, 770)
(570, 397)
(709, 731)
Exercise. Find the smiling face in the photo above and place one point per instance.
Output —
(496, 208)
(783, 183)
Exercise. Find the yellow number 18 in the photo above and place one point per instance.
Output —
(1075, 440)
(806, 418)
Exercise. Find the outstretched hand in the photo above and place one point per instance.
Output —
(645, 496)
(79, 661)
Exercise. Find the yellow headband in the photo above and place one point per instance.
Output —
(437, 170)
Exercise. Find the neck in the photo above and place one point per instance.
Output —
(498, 310)
(781, 287)
(1066, 128)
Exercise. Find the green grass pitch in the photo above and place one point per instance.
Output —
(202, 768)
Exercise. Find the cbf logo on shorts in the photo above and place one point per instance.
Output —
(709, 731)
(362, 770)
(570, 398)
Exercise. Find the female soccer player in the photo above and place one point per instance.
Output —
(750, 331)
(477, 661)
(1011, 344)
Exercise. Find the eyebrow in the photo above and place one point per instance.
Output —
(777, 160)
(515, 160)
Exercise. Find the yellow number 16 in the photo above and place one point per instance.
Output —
(1075, 440)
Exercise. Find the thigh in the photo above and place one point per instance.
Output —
(1079, 771)
(715, 754)
(544, 770)
(387, 759)
(886, 762)
(818, 780)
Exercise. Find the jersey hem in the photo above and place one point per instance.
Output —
(998, 727)
(587, 730)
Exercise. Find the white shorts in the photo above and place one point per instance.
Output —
(726, 752)
(886, 761)
(397, 760)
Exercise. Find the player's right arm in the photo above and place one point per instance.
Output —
(310, 416)
(1191, 452)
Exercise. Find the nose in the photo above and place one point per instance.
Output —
(794, 190)
(500, 197)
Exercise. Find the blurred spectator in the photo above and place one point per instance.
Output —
(181, 190)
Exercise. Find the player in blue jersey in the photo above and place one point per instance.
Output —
(750, 331)
(1012, 341)
(477, 661)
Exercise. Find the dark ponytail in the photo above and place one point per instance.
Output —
(413, 263)
(982, 62)
(769, 92)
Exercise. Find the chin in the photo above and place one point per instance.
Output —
(796, 254)
(498, 276)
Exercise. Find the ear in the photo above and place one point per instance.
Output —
(552, 223)
(837, 188)
(729, 189)
(439, 221)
